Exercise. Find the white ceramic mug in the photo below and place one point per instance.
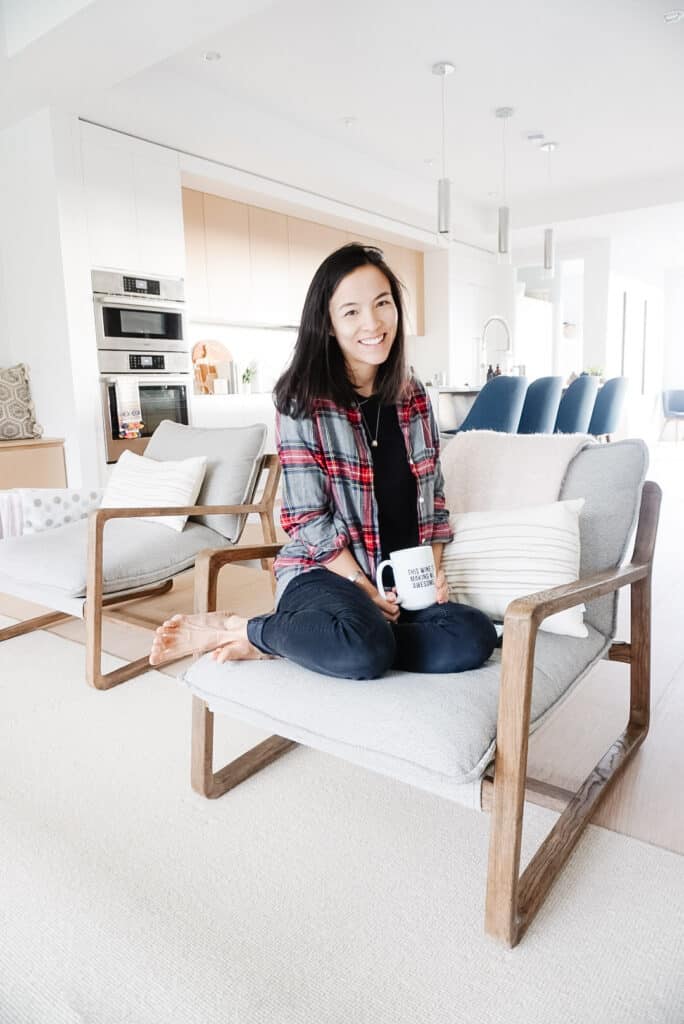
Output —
(414, 577)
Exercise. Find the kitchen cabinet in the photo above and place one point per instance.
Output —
(133, 204)
(226, 226)
(36, 462)
(309, 244)
(269, 261)
(196, 290)
(246, 264)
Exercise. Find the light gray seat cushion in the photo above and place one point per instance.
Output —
(433, 731)
(233, 461)
(136, 553)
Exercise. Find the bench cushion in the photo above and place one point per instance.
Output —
(432, 731)
(136, 553)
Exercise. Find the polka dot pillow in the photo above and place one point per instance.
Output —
(43, 508)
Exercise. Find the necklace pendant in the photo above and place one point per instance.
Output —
(374, 443)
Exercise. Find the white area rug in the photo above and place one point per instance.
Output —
(313, 893)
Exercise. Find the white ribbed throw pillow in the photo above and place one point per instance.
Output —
(140, 482)
(500, 555)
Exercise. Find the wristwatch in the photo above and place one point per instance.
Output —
(355, 576)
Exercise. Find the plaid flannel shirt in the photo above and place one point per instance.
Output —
(328, 497)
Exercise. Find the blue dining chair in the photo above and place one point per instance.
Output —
(608, 407)
(576, 405)
(541, 406)
(673, 410)
(497, 407)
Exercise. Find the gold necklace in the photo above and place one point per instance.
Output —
(373, 440)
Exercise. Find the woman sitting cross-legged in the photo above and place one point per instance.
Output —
(359, 448)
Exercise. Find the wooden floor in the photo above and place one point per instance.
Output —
(646, 802)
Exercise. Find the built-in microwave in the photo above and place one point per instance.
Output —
(141, 313)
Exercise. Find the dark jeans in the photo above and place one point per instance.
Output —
(329, 625)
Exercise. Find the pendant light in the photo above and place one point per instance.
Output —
(549, 241)
(443, 68)
(504, 214)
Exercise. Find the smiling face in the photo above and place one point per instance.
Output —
(364, 321)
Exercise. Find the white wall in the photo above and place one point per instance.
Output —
(479, 287)
(673, 355)
(35, 326)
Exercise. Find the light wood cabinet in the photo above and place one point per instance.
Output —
(226, 226)
(269, 261)
(36, 462)
(250, 265)
(196, 291)
(309, 244)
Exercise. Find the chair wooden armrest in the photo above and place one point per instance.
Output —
(98, 519)
(512, 900)
(209, 563)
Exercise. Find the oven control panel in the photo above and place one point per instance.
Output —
(146, 362)
(141, 286)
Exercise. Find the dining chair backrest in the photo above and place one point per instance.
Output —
(498, 406)
(673, 402)
(541, 406)
(576, 406)
(608, 407)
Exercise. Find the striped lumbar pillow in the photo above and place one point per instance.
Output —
(500, 555)
(139, 482)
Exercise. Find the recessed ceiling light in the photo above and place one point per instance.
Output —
(670, 17)
(548, 147)
(210, 55)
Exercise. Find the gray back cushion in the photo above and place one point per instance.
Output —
(609, 477)
(233, 463)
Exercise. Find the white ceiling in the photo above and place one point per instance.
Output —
(603, 79)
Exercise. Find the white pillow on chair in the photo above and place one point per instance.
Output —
(140, 482)
(503, 554)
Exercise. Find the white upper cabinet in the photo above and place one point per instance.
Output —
(133, 204)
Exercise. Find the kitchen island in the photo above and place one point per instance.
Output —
(453, 404)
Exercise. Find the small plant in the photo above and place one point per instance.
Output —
(249, 374)
(594, 371)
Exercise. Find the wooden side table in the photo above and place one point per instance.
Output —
(37, 462)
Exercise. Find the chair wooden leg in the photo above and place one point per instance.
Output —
(28, 625)
(212, 784)
(513, 901)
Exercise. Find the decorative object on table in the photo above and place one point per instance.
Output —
(17, 413)
(497, 371)
(207, 356)
(490, 372)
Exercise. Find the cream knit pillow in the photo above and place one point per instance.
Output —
(500, 555)
(140, 482)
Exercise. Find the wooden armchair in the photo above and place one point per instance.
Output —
(72, 570)
(512, 899)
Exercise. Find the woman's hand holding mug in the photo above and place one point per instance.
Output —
(414, 576)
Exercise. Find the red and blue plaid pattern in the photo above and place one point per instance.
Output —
(328, 497)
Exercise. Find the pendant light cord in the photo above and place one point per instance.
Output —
(503, 184)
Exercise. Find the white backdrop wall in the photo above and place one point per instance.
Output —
(35, 323)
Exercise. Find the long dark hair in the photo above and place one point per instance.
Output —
(317, 368)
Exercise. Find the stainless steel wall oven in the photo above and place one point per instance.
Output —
(143, 357)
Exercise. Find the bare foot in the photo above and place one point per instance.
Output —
(192, 634)
(238, 648)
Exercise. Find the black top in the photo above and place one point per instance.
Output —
(393, 481)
